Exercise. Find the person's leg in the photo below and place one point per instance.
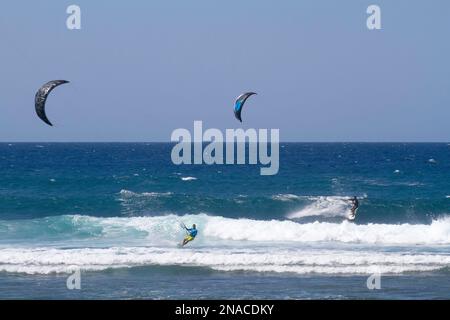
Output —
(186, 240)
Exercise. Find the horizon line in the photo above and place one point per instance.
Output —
(280, 142)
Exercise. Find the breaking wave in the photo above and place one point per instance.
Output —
(167, 228)
(60, 244)
(51, 260)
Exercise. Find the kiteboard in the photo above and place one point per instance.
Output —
(352, 216)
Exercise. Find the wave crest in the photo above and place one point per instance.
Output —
(51, 260)
(166, 229)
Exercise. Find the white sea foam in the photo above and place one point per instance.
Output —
(166, 229)
(438, 232)
(51, 260)
(127, 192)
(130, 194)
(188, 178)
(232, 244)
(227, 229)
(388, 183)
(286, 197)
(332, 206)
(393, 269)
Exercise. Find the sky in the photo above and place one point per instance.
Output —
(140, 69)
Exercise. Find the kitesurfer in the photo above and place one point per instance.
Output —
(191, 233)
(355, 206)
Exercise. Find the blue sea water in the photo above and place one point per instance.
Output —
(113, 211)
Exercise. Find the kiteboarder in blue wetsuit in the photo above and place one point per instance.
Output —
(191, 233)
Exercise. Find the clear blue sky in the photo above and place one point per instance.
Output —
(140, 69)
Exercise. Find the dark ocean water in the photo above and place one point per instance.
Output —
(114, 210)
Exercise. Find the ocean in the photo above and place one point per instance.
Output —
(113, 211)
